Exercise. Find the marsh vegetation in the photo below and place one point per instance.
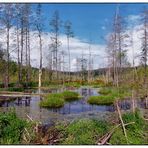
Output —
(52, 103)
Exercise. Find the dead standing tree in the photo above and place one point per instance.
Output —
(144, 47)
(6, 20)
(69, 34)
(39, 28)
(55, 24)
(116, 44)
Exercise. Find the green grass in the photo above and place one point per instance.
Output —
(108, 96)
(137, 133)
(58, 99)
(104, 91)
(73, 84)
(100, 100)
(83, 132)
(70, 96)
(52, 101)
(11, 128)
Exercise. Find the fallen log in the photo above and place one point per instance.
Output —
(18, 95)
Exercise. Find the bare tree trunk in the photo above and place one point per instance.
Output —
(18, 52)
(8, 59)
(29, 63)
(22, 46)
(69, 58)
(40, 68)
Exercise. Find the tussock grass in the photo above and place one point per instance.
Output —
(52, 101)
(58, 99)
(108, 96)
(70, 96)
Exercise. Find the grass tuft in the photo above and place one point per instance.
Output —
(70, 96)
(52, 101)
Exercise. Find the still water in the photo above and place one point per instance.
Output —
(30, 106)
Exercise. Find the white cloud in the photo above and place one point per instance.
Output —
(133, 17)
(76, 48)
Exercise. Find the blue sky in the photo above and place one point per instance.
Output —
(89, 20)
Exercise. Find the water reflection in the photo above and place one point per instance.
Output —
(30, 106)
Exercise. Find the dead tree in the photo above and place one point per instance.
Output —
(6, 20)
(39, 28)
(144, 47)
(55, 24)
(69, 34)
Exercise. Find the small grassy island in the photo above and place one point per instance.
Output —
(108, 95)
(58, 100)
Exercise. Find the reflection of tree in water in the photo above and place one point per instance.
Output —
(110, 108)
(2, 103)
(84, 92)
(125, 104)
(23, 101)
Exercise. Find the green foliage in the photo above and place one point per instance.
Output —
(52, 101)
(11, 128)
(137, 133)
(84, 131)
(17, 89)
(69, 95)
(101, 100)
